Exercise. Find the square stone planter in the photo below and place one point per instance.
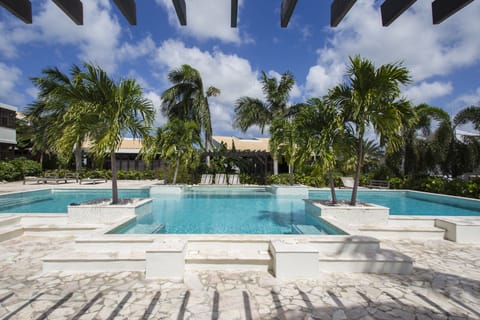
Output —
(105, 213)
(287, 190)
(361, 214)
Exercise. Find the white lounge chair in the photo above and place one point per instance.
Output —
(206, 179)
(233, 179)
(220, 178)
(347, 182)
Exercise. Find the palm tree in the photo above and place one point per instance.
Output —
(252, 111)
(115, 110)
(470, 114)
(174, 142)
(284, 140)
(58, 96)
(371, 98)
(323, 129)
(187, 100)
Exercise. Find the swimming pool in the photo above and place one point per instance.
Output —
(410, 202)
(228, 211)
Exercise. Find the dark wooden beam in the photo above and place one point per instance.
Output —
(22, 9)
(339, 9)
(234, 14)
(129, 10)
(72, 8)
(392, 9)
(442, 9)
(286, 12)
(181, 10)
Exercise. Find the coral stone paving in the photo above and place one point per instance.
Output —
(445, 285)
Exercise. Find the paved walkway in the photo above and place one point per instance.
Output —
(444, 285)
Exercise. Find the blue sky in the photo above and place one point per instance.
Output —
(444, 59)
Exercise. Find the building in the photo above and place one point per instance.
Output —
(8, 134)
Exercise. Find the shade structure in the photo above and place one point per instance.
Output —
(234, 14)
(339, 9)
(22, 9)
(286, 12)
(129, 10)
(181, 10)
(392, 9)
(442, 9)
(72, 8)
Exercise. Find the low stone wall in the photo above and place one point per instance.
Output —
(107, 213)
(367, 214)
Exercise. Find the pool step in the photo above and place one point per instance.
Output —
(259, 260)
(382, 261)
(79, 261)
(404, 232)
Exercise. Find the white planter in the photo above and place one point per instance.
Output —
(166, 189)
(106, 213)
(366, 214)
(286, 190)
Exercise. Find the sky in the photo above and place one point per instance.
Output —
(444, 60)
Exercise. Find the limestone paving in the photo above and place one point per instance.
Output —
(445, 284)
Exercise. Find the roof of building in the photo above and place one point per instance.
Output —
(128, 145)
(243, 144)
(8, 107)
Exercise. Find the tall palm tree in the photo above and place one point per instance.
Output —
(174, 142)
(285, 140)
(116, 109)
(252, 111)
(470, 114)
(187, 100)
(371, 98)
(59, 94)
(323, 129)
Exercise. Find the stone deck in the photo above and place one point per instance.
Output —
(445, 284)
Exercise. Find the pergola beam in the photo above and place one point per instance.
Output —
(234, 13)
(129, 10)
(181, 10)
(442, 9)
(286, 12)
(72, 8)
(22, 9)
(339, 9)
(392, 9)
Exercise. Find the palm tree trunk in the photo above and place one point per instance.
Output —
(332, 186)
(356, 181)
(275, 165)
(292, 177)
(207, 149)
(177, 165)
(114, 178)
(78, 156)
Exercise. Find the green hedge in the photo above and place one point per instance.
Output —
(16, 169)
(456, 187)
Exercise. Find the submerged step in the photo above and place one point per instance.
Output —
(77, 261)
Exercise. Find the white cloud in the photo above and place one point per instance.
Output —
(157, 101)
(466, 100)
(8, 81)
(134, 51)
(230, 73)
(206, 19)
(427, 91)
(97, 39)
(426, 49)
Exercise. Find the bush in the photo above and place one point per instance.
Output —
(27, 167)
(9, 172)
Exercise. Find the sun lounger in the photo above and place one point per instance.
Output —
(347, 182)
(220, 178)
(71, 176)
(233, 179)
(33, 179)
(379, 184)
(92, 180)
(206, 179)
(53, 177)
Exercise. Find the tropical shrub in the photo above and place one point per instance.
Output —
(26, 167)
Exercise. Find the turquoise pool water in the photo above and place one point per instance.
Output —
(227, 212)
(56, 201)
(410, 202)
